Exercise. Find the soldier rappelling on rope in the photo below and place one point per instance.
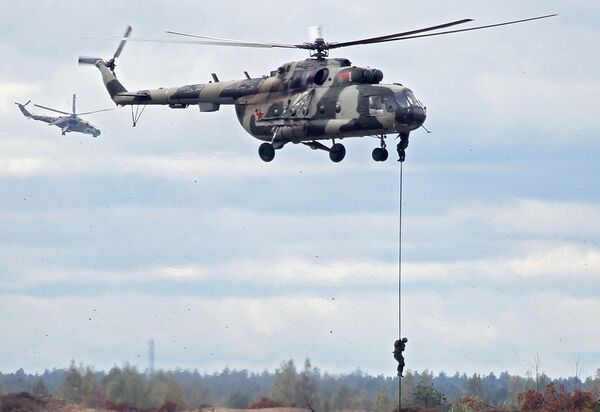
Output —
(399, 347)
(401, 146)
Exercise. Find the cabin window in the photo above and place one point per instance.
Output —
(390, 103)
(375, 105)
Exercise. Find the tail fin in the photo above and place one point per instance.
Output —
(111, 83)
(108, 76)
(23, 109)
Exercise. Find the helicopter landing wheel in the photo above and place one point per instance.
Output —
(266, 151)
(379, 154)
(337, 152)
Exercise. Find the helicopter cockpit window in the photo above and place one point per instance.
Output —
(412, 99)
(375, 105)
(402, 100)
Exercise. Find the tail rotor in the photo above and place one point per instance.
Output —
(110, 64)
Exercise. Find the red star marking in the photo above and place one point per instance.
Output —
(260, 114)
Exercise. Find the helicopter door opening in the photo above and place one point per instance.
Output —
(376, 106)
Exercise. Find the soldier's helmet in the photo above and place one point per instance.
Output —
(404, 340)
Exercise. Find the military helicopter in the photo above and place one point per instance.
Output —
(70, 122)
(305, 102)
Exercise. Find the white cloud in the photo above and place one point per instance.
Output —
(279, 272)
(520, 218)
(471, 330)
(15, 91)
(189, 332)
(481, 330)
(321, 250)
(565, 263)
(535, 217)
(216, 164)
(22, 167)
(562, 264)
(528, 102)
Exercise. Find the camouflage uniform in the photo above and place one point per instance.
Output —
(399, 347)
(401, 146)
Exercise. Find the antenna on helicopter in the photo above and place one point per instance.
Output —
(315, 33)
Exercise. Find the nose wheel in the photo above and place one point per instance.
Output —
(266, 152)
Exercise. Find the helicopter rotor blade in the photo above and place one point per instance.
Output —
(122, 44)
(320, 46)
(237, 43)
(417, 36)
(221, 43)
(88, 60)
(197, 36)
(379, 39)
(52, 110)
(94, 111)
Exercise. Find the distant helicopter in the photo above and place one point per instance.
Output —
(70, 122)
(300, 102)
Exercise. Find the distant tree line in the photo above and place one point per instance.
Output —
(124, 388)
(505, 392)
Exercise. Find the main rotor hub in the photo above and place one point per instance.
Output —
(319, 48)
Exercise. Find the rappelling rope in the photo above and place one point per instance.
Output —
(400, 257)
(400, 279)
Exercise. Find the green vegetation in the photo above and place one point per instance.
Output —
(125, 387)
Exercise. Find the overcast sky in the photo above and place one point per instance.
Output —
(175, 230)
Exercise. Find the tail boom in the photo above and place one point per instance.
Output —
(23, 110)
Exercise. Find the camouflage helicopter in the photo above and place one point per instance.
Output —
(306, 101)
(70, 122)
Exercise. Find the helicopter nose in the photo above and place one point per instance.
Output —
(412, 116)
(418, 115)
